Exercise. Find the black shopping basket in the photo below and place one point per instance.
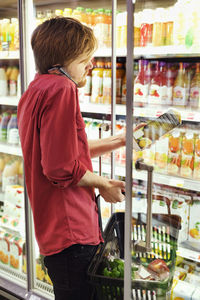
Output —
(165, 229)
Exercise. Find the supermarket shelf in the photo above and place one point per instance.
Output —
(153, 52)
(149, 111)
(9, 100)
(9, 54)
(10, 149)
(165, 179)
(189, 254)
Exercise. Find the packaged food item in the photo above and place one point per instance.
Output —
(97, 82)
(141, 86)
(187, 154)
(155, 129)
(195, 88)
(10, 173)
(3, 126)
(174, 152)
(107, 74)
(5, 238)
(181, 290)
(17, 245)
(159, 27)
(13, 81)
(12, 130)
(194, 226)
(161, 154)
(181, 87)
(3, 83)
(120, 72)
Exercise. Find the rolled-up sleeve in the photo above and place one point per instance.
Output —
(59, 140)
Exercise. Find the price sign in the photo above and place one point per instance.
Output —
(178, 182)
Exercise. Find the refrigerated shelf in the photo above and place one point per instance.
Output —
(9, 100)
(10, 149)
(159, 178)
(9, 54)
(189, 254)
(146, 112)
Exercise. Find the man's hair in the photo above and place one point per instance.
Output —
(60, 40)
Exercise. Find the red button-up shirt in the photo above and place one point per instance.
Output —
(56, 156)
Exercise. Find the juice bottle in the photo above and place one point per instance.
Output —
(163, 87)
(169, 26)
(123, 22)
(181, 87)
(158, 87)
(5, 34)
(97, 82)
(2, 165)
(14, 34)
(88, 87)
(195, 89)
(158, 38)
(123, 99)
(89, 17)
(144, 29)
(107, 75)
(3, 126)
(137, 25)
(10, 174)
(119, 30)
(108, 14)
(161, 154)
(169, 83)
(3, 83)
(141, 86)
(12, 130)
(174, 152)
(67, 12)
(196, 173)
(180, 18)
(58, 12)
(187, 154)
(120, 72)
(101, 28)
(39, 17)
(13, 81)
(48, 14)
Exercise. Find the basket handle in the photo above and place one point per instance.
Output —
(140, 165)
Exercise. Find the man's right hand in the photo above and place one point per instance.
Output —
(112, 191)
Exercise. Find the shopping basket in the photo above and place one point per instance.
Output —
(165, 229)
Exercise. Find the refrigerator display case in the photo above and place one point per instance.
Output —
(147, 62)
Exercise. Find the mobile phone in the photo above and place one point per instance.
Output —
(145, 136)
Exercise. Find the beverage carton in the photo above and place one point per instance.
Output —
(187, 154)
(174, 152)
(194, 226)
(196, 173)
(161, 154)
(147, 135)
(17, 245)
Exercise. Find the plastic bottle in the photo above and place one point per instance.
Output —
(180, 17)
(5, 34)
(120, 72)
(108, 13)
(107, 74)
(169, 26)
(12, 130)
(14, 34)
(88, 87)
(89, 17)
(10, 174)
(48, 14)
(158, 87)
(97, 82)
(79, 14)
(58, 12)
(181, 87)
(159, 28)
(101, 28)
(195, 89)
(13, 81)
(119, 30)
(170, 84)
(141, 86)
(144, 29)
(123, 23)
(3, 126)
(67, 12)
(123, 99)
(3, 83)
(137, 25)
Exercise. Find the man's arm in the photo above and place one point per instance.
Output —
(110, 190)
(101, 146)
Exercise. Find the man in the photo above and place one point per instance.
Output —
(57, 156)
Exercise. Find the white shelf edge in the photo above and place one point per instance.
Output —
(10, 149)
(189, 254)
(152, 52)
(149, 111)
(9, 100)
(9, 54)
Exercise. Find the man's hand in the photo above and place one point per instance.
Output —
(112, 192)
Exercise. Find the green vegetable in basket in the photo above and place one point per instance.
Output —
(115, 273)
(106, 272)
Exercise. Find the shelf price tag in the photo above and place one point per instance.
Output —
(178, 182)
(159, 113)
(190, 116)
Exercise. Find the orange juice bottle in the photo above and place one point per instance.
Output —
(39, 17)
(67, 12)
(14, 34)
(48, 14)
(107, 74)
(97, 82)
(79, 14)
(137, 25)
(120, 72)
(174, 152)
(187, 154)
(89, 17)
(169, 26)
(158, 38)
(195, 89)
(5, 34)
(100, 28)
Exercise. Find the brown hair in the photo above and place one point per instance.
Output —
(60, 40)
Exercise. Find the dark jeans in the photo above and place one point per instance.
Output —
(68, 272)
